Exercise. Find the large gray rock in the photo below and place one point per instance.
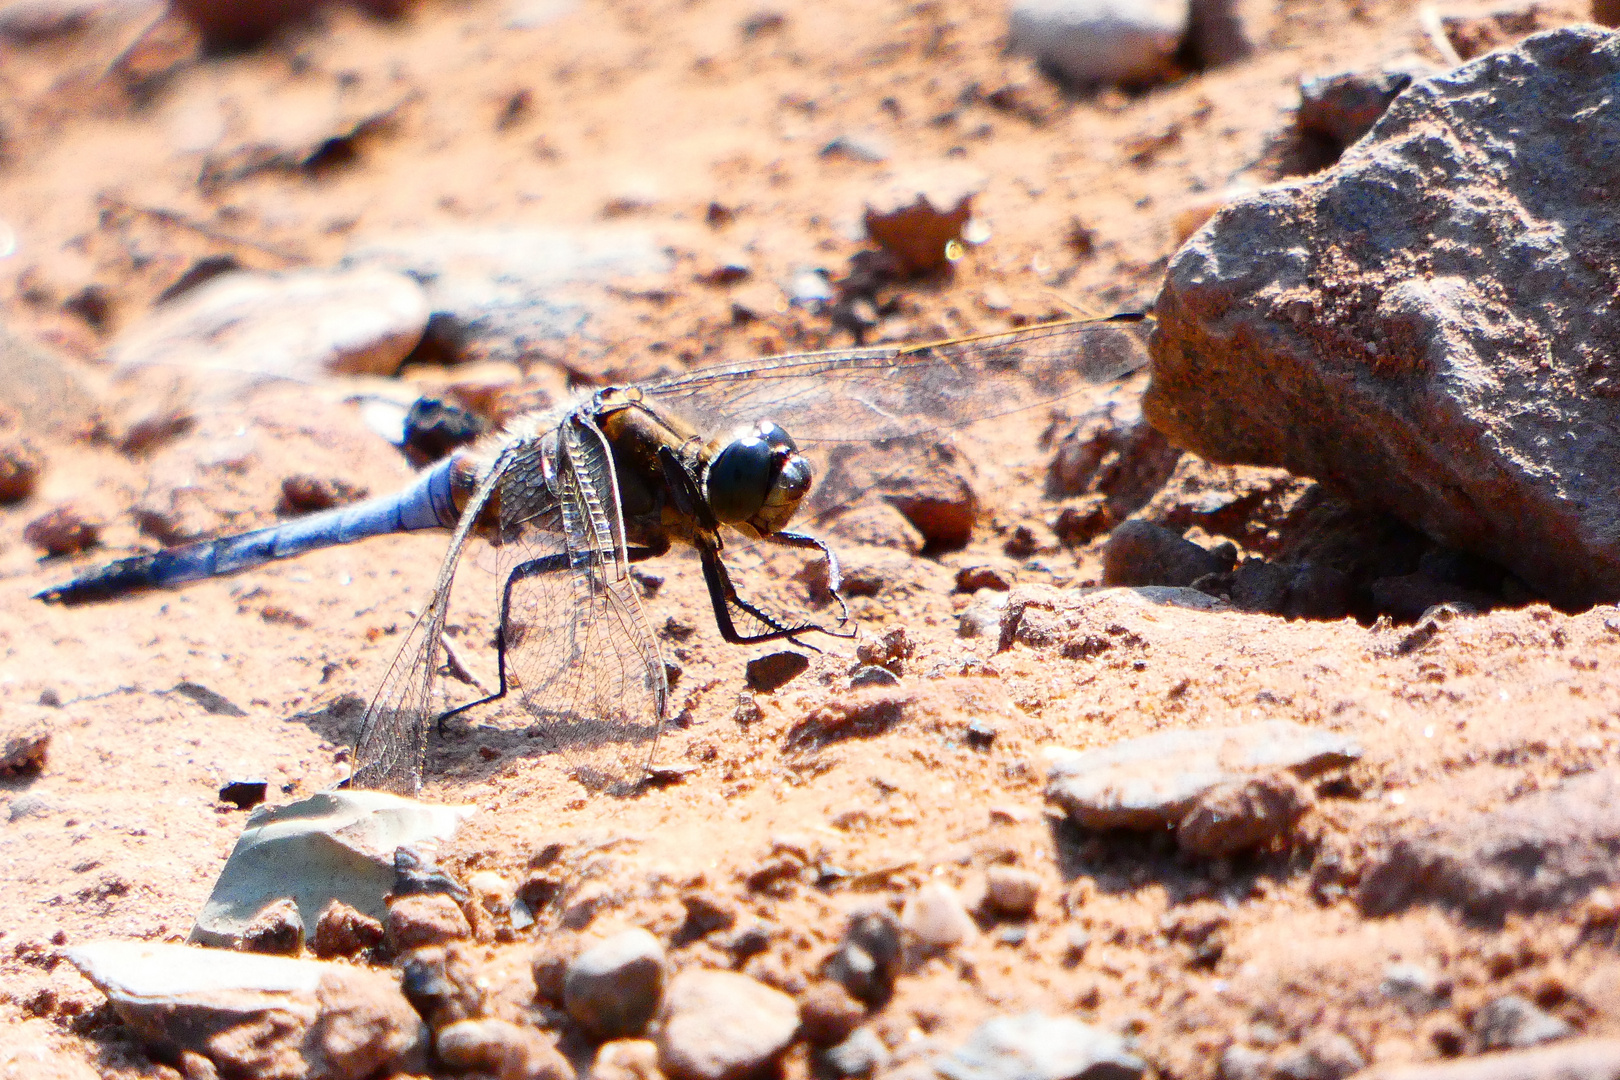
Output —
(336, 845)
(253, 1015)
(1430, 326)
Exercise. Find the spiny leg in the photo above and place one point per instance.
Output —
(835, 578)
(723, 594)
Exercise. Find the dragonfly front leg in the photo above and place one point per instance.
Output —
(835, 574)
(724, 596)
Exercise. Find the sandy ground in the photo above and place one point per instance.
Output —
(640, 116)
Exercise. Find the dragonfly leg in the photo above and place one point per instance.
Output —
(683, 488)
(723, 595)
(835, 576)
(549, 564)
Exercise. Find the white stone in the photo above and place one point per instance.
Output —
(247, 328)
(1100, 41)
(935, 917)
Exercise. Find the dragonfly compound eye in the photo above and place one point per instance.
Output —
(757, 479)
(740, 477)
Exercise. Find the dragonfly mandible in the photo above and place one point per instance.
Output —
(572, 496)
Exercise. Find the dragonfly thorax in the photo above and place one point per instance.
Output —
(757, 479)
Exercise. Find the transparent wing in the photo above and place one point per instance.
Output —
(866, 395)
(580, 658)
(392, 747)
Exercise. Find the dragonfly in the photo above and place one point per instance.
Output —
(572, 496)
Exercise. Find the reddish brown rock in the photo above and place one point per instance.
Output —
(63, 530)
(424, 920)
(20, 466)
(24, 746)
(276, 929)
(344, 931)
(1241, 815)
(915, 217)
(829, 1013)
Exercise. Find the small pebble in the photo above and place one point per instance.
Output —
(244, 794)
(509, 1051)
(935, 917)
(549, 966)
(862, 1054)
(1323, 1055)
(1142, 553)
(1012, 891)
(828, 1013)
(980, 733)
(277, 929)
(62, 531)
(917, 217)
(775, 670)
(613, 989)
(719, 1025)
(890, 651)
(871, 675)
(1512, 1023)
(20, 465)
(982, 618)
(24, 748)
(971, 579)
(863, 147)
(706, 913)
(1240, 1062)
(305, 494)
(626, 1059)
(445, 985)
(495, 892)
(345, 931)
(1344, 107)
(1087, 42)
(1242, 815)
(414, 875)
(424, 919)
(867, 960)
(1031, 1045)
(433, 429)
(1414, 987)
(30, 805)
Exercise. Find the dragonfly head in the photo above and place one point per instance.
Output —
(756, 480)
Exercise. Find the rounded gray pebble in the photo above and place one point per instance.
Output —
(614, 989)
